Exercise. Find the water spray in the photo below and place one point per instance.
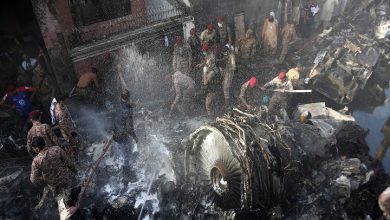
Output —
(150, 186)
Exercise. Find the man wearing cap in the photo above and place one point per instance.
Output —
(269, 34)
(293, 74)
(224, 33)
(288, 34)
(246, 88)
(185, 90)
(247, 46)
(279, 99)
(39, 129)
(52, 166)
(208, 35)
(182, 56)
(211, 78)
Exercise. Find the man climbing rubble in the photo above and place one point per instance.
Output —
(246, 92)
(182, 56)
(53, 167)
(279, 99)
(269, 34)
(211, 79)
(40, 129)
(185, 91)
(288, 35)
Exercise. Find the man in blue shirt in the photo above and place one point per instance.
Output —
(19, 98)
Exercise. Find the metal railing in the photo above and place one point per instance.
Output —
(106, 29)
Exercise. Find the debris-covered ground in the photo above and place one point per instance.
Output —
(275, 169)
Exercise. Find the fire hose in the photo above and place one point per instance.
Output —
(66, 213)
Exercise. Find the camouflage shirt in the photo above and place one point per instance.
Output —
(64, 118)
(41, 130)
(53, 167)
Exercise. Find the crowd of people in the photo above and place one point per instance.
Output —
(204, 65)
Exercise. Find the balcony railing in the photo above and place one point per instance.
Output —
(106, 29)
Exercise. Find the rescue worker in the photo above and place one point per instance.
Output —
(210, 78)
(247, 47)
(182, 56)
(288, 35)
(279, 99)
(39, 129)
(63, 119)
(327, 12)
(53, 167)
(195, 46)
(208, 36)
(224, 34)
(185, 90)
(384, 202)
(85, 83)
(293, 74)
(124, 125)
(229, 69)
(307, 22)
(269, 34)
(19, 99)
(246, 88)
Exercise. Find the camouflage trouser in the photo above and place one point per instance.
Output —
(227, 83)
(284, 51)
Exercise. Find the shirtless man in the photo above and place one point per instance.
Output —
(83, 87)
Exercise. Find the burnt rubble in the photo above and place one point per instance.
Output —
(243, 165)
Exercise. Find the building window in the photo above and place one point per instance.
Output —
(86, 12)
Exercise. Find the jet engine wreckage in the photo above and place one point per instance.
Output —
(245, 163)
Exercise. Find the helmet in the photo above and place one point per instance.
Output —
(252, 82)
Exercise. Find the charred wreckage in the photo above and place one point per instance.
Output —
(246, 166)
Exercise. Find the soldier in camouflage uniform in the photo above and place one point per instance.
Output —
(64, 121)
(40, 130)
(208, 36)
(288, 34)
(53, 167)
(247, 46)
(182, 56)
